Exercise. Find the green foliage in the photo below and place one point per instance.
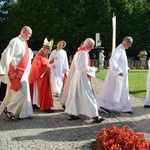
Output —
(131, 21)
(73, 21)
(4, 12)
(137, 81)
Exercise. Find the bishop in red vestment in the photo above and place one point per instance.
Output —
(39, 79)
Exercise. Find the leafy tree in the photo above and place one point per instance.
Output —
(147, 27)
(5, 7)
(69, 20)
(73, 21)
(130, 14)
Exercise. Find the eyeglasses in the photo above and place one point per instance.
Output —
(29, 33)
(91, 45)
(129, 43)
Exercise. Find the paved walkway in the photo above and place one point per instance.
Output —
(55, 132)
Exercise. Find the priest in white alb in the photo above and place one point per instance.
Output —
(59, 68)
(114, 95)
(78, 97)
(147, 101)
(15, 68)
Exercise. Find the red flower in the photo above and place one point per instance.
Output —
(123, 138)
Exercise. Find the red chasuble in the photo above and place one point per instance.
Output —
(39, 65)
(16, 75)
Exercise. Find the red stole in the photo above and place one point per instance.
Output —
(16, 75)
(83, 48)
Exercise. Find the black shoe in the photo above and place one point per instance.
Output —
(35, 107)
(73, 117)
(105, 110)
(63, 106)
(127, 112)
(146, 106)
(49, 111)
(10, 115)
(98, 119)
(56, 95)
(30, 117)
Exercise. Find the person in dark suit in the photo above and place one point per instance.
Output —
(3, 87)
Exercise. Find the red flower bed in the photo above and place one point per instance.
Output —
(123, 138)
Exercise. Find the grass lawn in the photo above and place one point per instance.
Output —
(137, 81)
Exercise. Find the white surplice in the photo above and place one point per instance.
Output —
(57, 73)
(17, 102)
(78, 93)
(114, 94)
(147, 102)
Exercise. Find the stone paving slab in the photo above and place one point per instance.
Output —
(54, 132)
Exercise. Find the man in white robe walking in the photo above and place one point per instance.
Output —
(78, 96)
(147, 101)
(59, 68)
(101, 59)
(114, 94)
(15, 67)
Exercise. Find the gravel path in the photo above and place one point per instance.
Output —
(54, 132)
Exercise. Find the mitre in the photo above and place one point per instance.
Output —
(48, 44)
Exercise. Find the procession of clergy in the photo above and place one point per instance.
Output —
(33, 82)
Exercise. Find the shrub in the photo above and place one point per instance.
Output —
(123, 138)
(141, 67)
